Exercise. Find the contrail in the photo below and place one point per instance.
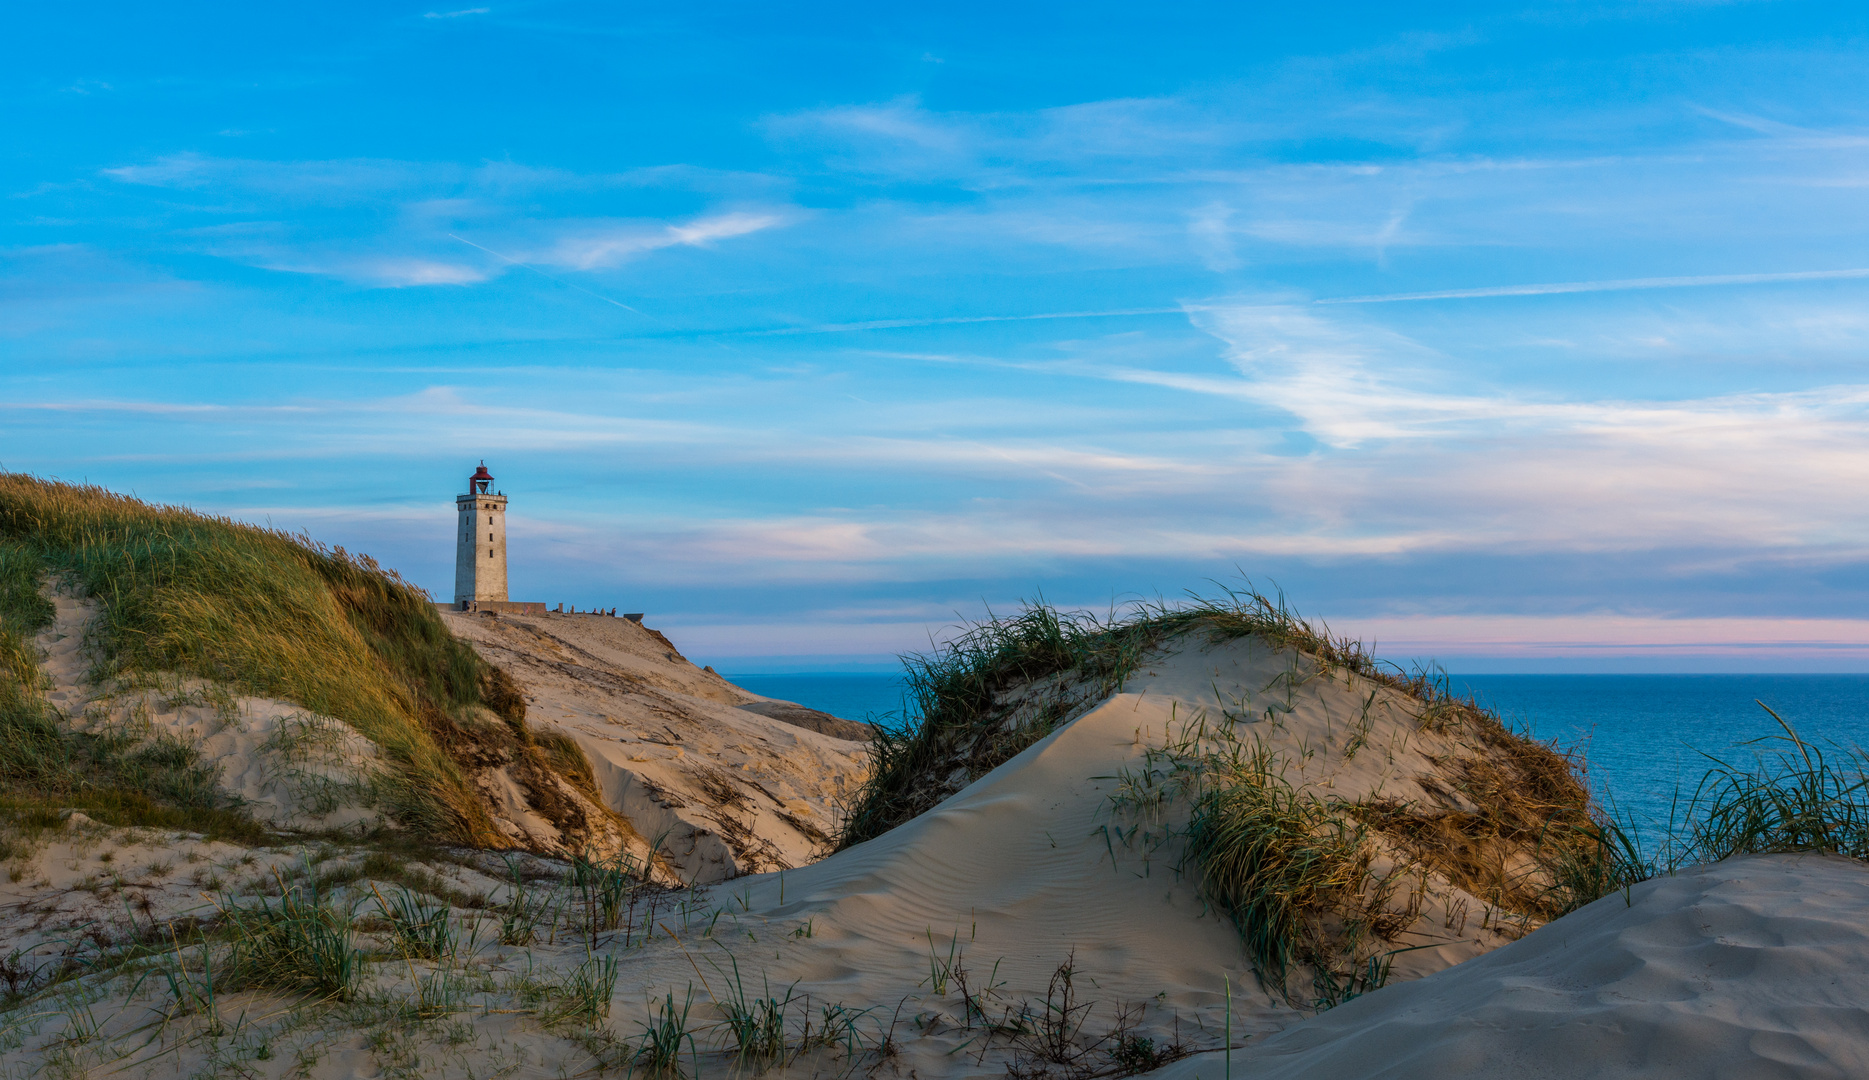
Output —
(891, 324)
(543, 274)
(1599, 286)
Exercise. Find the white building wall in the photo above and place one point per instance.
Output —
(480, 548)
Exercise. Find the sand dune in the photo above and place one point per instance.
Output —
(1753, 967)
(1019, 871)
(291, 768)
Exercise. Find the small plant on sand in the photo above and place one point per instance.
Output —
(301, 944)
(659, 1053)
(190, 980)
(424, 930)
(1050, 1043)
(585, 996)
(606, 888)
(755, 1026)
(839, 1028)
(1052, 1033)
(525, 908)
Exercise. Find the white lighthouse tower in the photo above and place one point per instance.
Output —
(480, 543)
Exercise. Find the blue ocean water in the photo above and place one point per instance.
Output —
(870, 697)
(1643, 736)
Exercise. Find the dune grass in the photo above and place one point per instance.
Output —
(115, 776)
(304, 944)
(1793, 797)
(1273, 859)
(261, 612)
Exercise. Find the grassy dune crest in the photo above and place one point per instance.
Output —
(1309, 876)
(265, 613)
(1009, 681)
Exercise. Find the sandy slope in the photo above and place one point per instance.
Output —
(678, 750)
(292, 768)
(1755, 967)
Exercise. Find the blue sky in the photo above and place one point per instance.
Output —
(1527, 337)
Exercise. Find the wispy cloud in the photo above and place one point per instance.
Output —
(434, 203)
(339, 180)
(455, 14)
(607, 246)
(407, 272)
(964, 320)
(1612, 285)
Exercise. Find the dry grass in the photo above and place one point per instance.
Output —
(1502, 825)
(115, 776)
(1277, 862)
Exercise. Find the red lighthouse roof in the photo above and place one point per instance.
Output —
(481, 482)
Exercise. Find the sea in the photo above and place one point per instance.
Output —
(1646, 740)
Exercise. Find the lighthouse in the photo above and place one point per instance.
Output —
(480, 543)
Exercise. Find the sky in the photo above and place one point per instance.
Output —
(1520, 337)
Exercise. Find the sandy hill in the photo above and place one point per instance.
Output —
(956, 922)
(163, 667)
(722, 780)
